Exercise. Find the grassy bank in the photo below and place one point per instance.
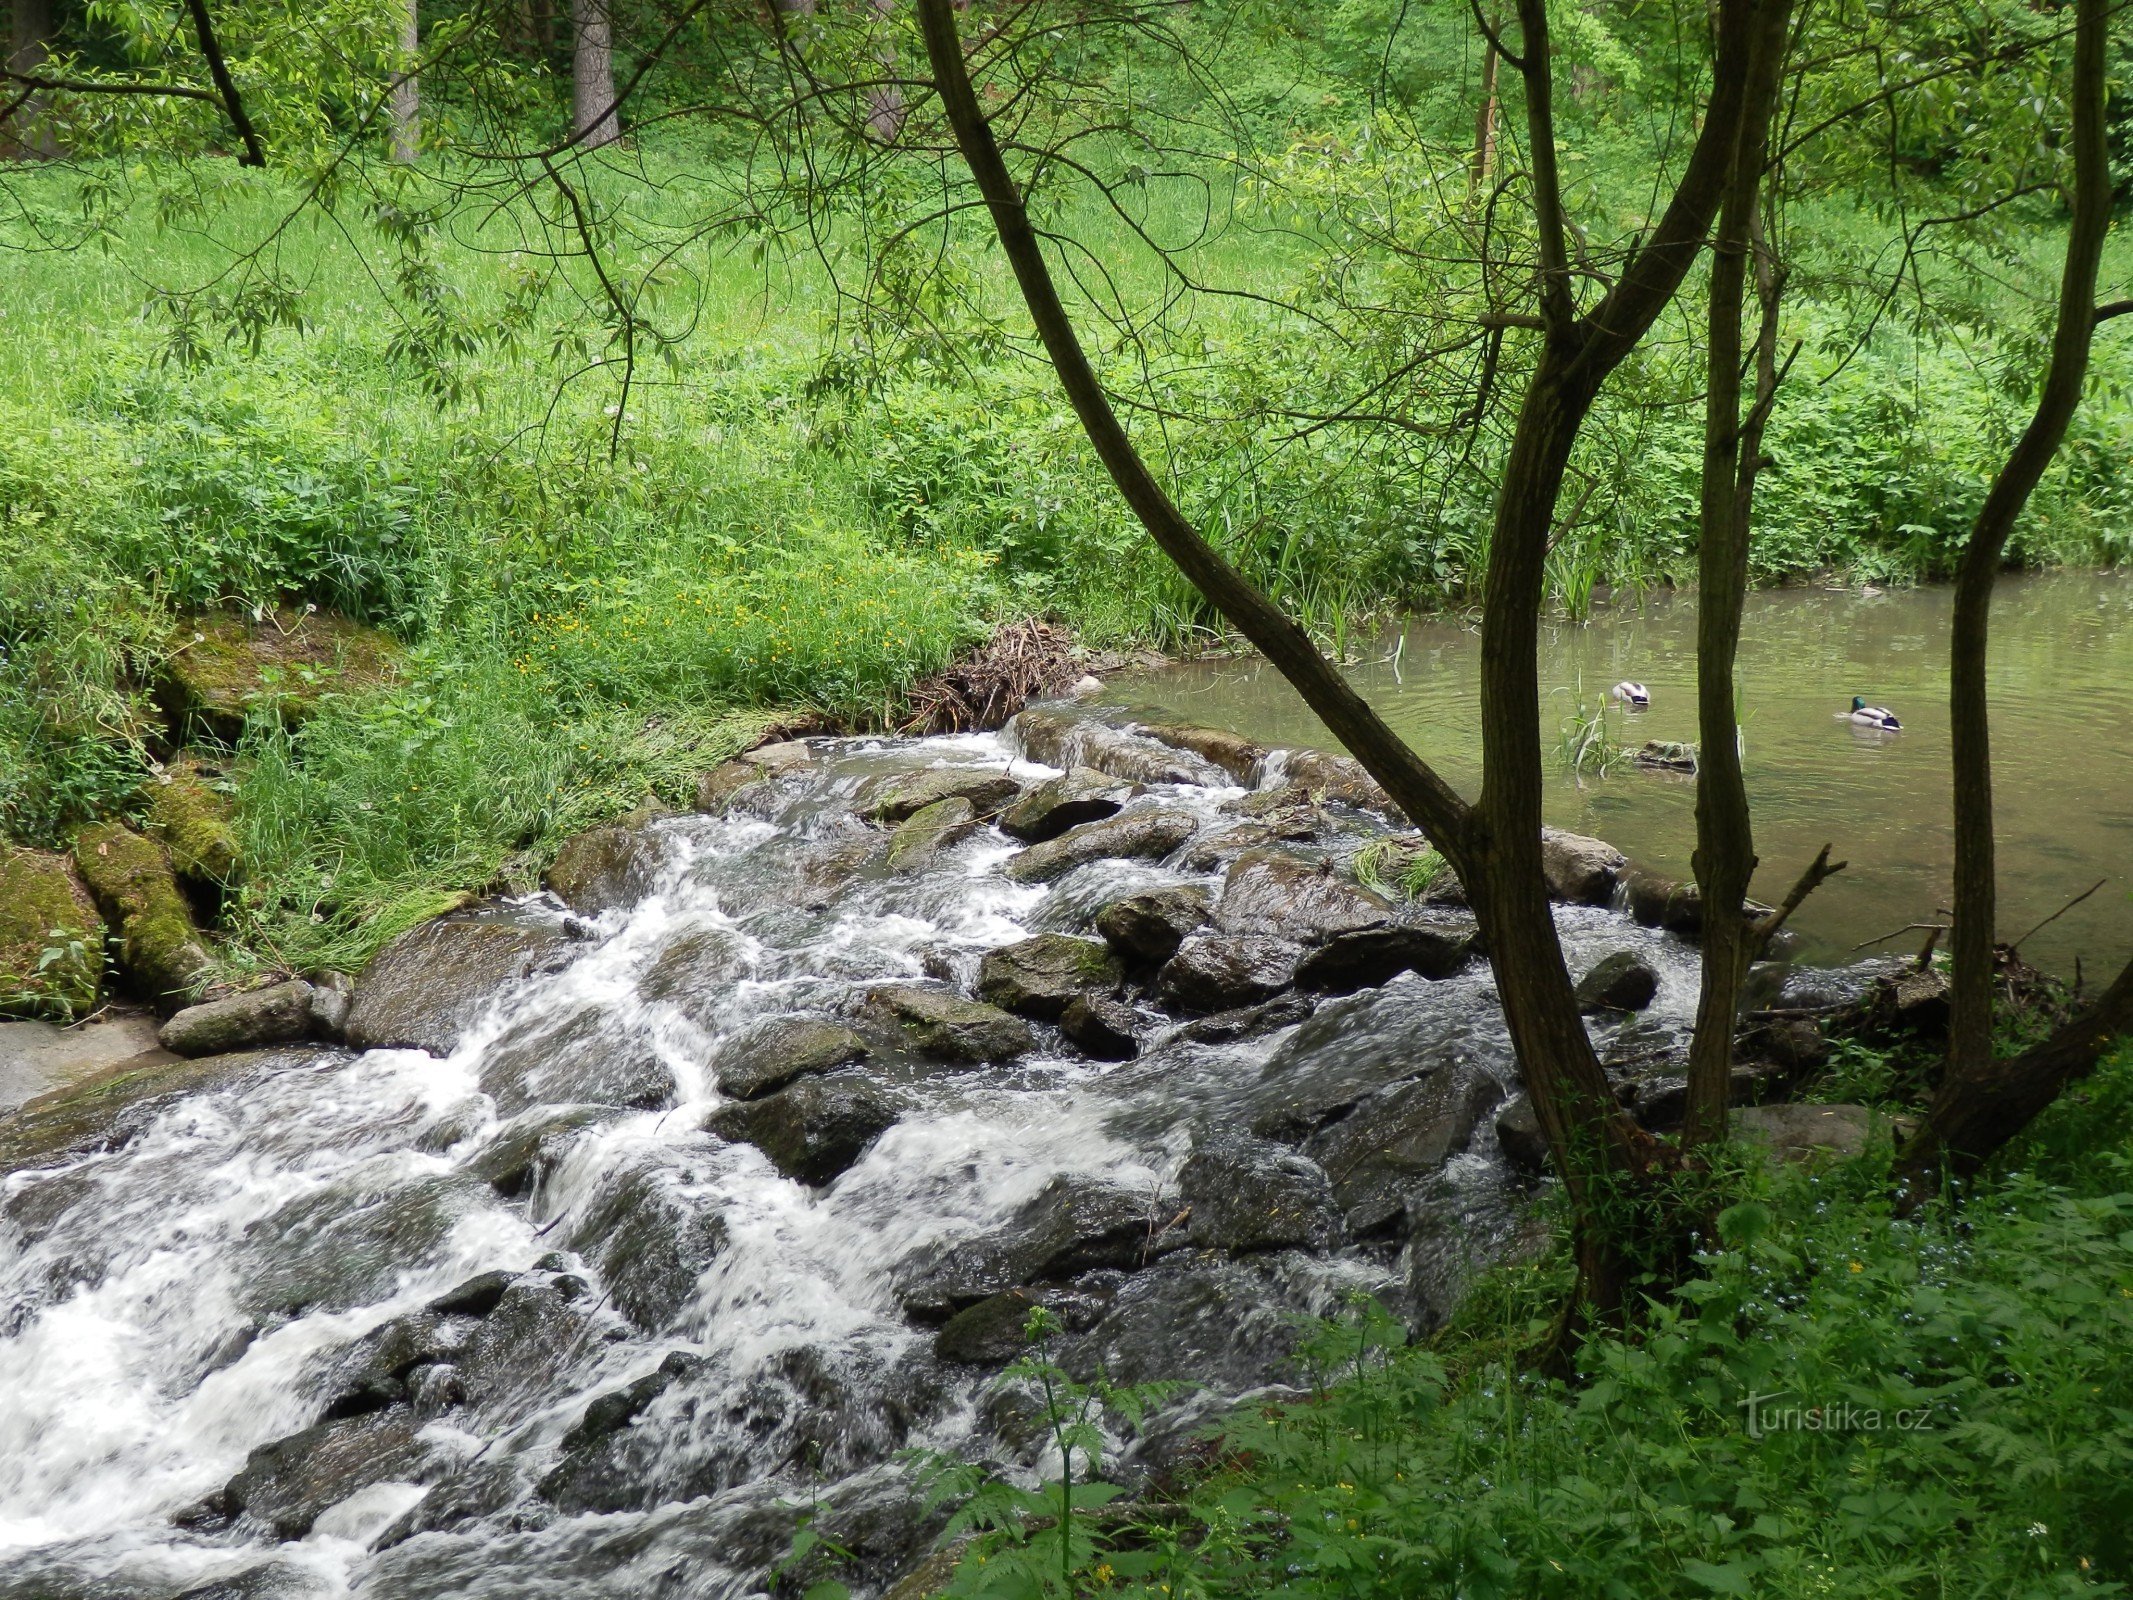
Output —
(1941, 1407)
(595, 605)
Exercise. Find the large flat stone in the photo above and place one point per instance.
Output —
(425, 988)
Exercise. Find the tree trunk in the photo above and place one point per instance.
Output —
(28, 132)
(592, 75)
(407, 87)
(1495, 846)
(1725, 837)
(1970, 1117)
(1484, 165)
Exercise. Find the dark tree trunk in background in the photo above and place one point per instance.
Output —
(1732, 446)
(27, 133)
(407, 87)
(1484, 167)
(1983, 1101)
(592, 75)
(1494, 845)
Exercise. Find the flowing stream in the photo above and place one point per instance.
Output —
(508, 1318)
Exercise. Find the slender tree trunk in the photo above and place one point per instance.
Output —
(592, 75)
(1484, 166)
(407, 87)
(1725, 837)
(885, 101)
(28, 132)
(1972, 1115)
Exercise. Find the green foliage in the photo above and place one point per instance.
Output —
(1837, 1404)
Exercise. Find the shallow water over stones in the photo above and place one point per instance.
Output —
(553, 1312)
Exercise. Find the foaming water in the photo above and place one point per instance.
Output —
(209, 1288)
(2062, 709)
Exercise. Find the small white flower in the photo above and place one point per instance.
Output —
(2037, 1530)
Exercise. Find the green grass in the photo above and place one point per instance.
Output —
(1943, 1407)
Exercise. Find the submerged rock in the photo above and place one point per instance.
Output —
(1074, 797)
(1076, 1224)
(815, 1129)
(1218, 972)
(347, 1243)
(1327, 776)
(1146, 834)
(423, 990)
(651, 1230)
(770, 1054)
(1252, 1194)
(51, 938)
(926, 832)
(130, 878)
(947, 1027)
(1393, 1140)
(585, 1057)
(1066, 739)
(526, 1149)
(903, 795)
(1622, 981)
(284, 1486)
(280, 1014)
(717, 789)
(1232, 752)
(1147, 928)
(1039, 977)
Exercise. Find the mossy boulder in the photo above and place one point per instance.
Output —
(928, 831)
(130, 877)
(51, 938)
(1040, 976)
(607, 868)
(192, 821)
(225, 666)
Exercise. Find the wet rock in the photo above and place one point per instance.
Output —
(1252, 1194)
(1148, 928)
(1659, 1101)
(1371, 956)
(930, 830)
(108, 1111)
(280, 1014)
(1326, 776)
(1074, 797)
(427, 986)
(583, 1479)
(946, 1026)
(1248, 1022)
(1666, 755)
(51, 938)
(1219, 972)
(717, 789)
(1039, 977)
(1101, 1027)
(130, 879)
(1218, 847)
(1808, 1133)
(652, 1230)
(1518, 1130)
(1284, 896)
(1075, 1224)
(586, 1057)
(1622, 981)
(526, 1149)
(694, 972)
(1393, 1140)
(227, 666)
(332, 993)
(995, 1331)
(192, 821)
(1795, 1044)
(608, 868)
(815, 1129)
(1066, 740)
(1146, 834)
(1580, 869)
(903, 795)
(1230, 1324)
(284, 1486)
(384, 1367)
(347, 1244)
(768, 1055)
(1657, 901)
(1233, 753)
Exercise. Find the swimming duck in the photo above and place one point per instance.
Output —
(1866, 716)
(1633, 695)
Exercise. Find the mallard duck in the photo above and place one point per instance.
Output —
(1633, 695)
(1866, 716)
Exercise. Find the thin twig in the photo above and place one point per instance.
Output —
(2056, 915)
(1912, 927)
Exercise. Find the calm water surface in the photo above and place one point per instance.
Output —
(2062, 685)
